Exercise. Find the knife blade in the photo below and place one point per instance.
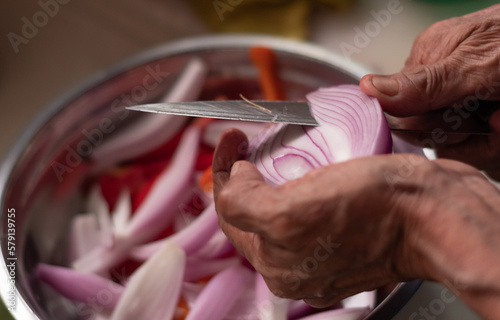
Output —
(290, 112)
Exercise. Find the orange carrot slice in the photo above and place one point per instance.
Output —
(206, 181)
(182, 310)
(264, 60)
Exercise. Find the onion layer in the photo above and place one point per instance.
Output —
(352, 125)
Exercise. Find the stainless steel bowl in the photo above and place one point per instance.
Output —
(46, 196)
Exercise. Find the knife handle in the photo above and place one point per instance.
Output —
(486, 109)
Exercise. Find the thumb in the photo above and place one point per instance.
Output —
(231, 147)
(416, 90)
(244, 197)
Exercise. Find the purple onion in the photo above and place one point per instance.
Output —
(352, 125)
(220, 293)
(79, 286)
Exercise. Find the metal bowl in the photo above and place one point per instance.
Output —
(42, 176)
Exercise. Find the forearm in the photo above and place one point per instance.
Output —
(456, 234)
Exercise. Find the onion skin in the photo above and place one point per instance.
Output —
(352, 125)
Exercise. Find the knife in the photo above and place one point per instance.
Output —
(290, 112)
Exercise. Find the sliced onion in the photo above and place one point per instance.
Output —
(153, 290)
(361, 300)
(197, 269)
(191, 238)
(121, 213)
(220, 293)
(79, 286)
(151, 131)
(269, 306)
(83, 236)
(99, 206)
(168, 192)
(352, 125)
(219, 245)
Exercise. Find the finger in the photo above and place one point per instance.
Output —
(245, 242)
(418, 89)
(458, 168)
(231, 147)
(246, 200)
(482, 152)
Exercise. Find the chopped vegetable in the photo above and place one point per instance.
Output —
(268, 305)
(151, 234)
(226, 286)
(153, 290)
(161, 203)
(79, 286)
(151, 131)
(265, 61)
(352, 125)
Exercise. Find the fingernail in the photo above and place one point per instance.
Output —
(234, 169)
(386, 85)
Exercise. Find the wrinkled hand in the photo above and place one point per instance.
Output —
(355, 225)
(454, 63)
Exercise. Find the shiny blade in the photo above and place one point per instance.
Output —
(289, 112)
(260, 111)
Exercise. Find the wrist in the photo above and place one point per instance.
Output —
(453, 235)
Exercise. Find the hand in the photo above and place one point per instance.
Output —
(360, 224)
(454, 63)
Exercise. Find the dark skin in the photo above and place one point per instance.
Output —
(452, 64)
(356, 225)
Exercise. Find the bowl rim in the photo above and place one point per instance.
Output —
(399, 297)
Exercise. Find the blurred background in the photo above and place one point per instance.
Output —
(49, 46)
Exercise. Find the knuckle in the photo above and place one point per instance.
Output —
(432, 84)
